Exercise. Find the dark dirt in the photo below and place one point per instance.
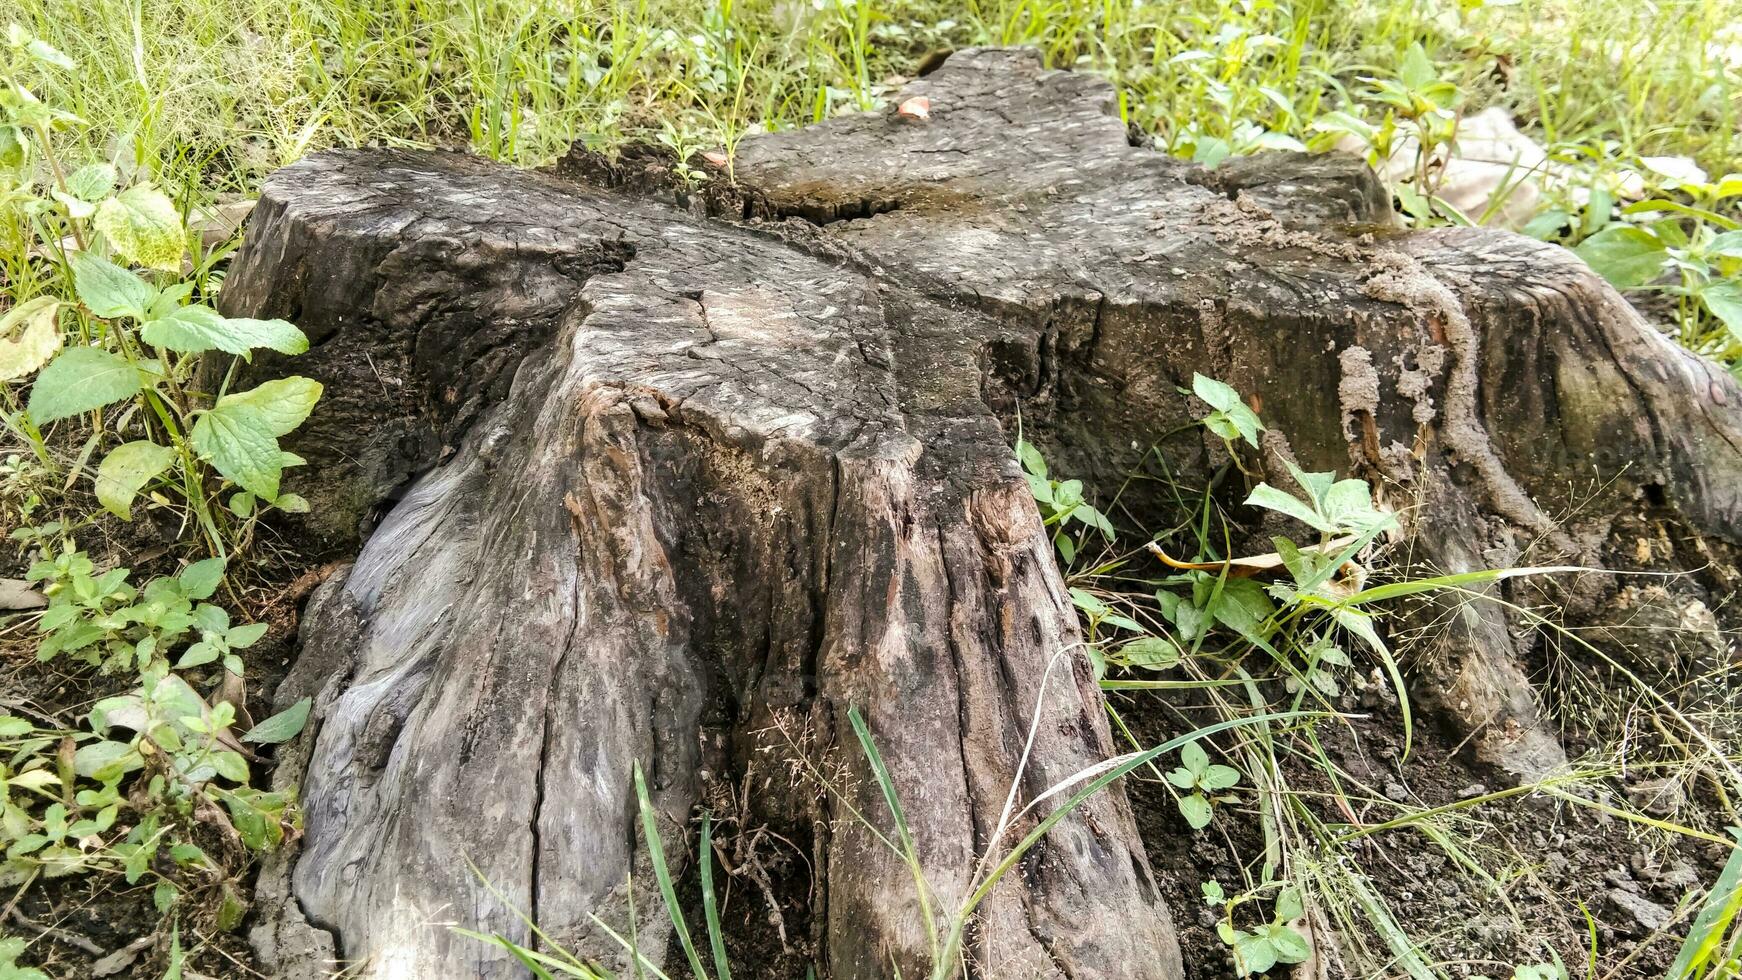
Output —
(96, 925)
(1544, 863)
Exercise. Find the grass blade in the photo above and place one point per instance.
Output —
(710, 909)
(655, 850)
(1707, 933)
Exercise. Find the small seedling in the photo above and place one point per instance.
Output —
(1203, 782)
(1061, 501)
(1264, 946)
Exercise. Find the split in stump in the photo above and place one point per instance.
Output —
(684, 488)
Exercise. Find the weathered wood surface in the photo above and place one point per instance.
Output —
(687, 487)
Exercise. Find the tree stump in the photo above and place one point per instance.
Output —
(677, 476)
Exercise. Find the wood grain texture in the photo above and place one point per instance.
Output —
(677, 478)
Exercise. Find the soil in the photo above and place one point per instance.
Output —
(1544, 863)
(96, 925)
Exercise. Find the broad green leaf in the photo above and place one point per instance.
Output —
(1032, 460)
(126, 470)
(1266, 496)
(1627, 256)
(1220, 777)
(1724, 299)
(281, 404)
(243, 637)
(239, 435)
(1152, 652)
(48, 54)
(1289, 945)
(1254, 954)
(107, 289)
(198, 655)
(281, 727)
(80, 379)
(292, 503)
(1729, 245)
(1193, 757)
(1196, 810)
(77, 209)
(1289, 905)
(29, 336)
(1417, 69)
(196, 329)
(142, 223)
(1215, 394)
(91, 183)
(108, 758)
(200, 580)
(14, 149)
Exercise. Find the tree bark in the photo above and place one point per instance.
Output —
(678, 475)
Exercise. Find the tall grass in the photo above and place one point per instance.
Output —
(222, 91)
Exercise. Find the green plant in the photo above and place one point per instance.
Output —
(11, 947)
(1710, 949)
(567, 964)
(1686, 249)
(1265, 944)
(1060, 501)
(126, 359)
(130, 791)
(1421, 112)
(1204, 783)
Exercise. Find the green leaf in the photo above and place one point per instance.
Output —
(1417, 69)
(1625, 255)
(1546, 225)
(196, 329)
(292, 503)
(281, 405)
(80, 379)
(281, 727)
(1266, 496)
(1220, 777)
(105, 757)
(91, 183)
(1032, 461)
(37, 337)
(107, 289)
(239, 435)
(1193, 757)
(1728, 245)
(198, 655)
(1232, 418)
(1152, 652)
(243, 637)
(1724, 299)
(1254, 954)
(142, 223)
(1196, 810)
(200, 580)
(1289, 946)
(14, 150)
(126, 470)
(1289, 905)
(1721, 907)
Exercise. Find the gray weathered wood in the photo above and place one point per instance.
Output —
(686, 488)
